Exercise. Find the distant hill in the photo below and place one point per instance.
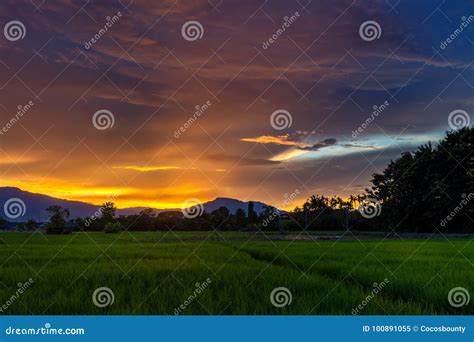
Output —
(232, 204)
(36, 205)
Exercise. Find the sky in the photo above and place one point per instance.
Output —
(152, 103)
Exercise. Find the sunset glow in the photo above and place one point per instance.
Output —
(148, 118)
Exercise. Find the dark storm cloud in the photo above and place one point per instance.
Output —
(320, 144)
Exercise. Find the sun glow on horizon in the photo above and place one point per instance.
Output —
(123, 197)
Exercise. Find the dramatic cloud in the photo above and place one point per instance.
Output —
(284, 140)
(192, 118)
(319, 145)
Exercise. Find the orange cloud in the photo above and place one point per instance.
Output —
(290, 154)
(148, 168)
(279, 140)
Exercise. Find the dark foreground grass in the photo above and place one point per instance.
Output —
(155, 273)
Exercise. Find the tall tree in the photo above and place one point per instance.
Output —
(220, 218)
(251, 214)
(420, 189)
(57, 219)
(31, 225)
(240, 218)
(108, 212)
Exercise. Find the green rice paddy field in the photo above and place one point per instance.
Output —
(160, 272)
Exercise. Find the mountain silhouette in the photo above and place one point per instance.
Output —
(35, 205)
